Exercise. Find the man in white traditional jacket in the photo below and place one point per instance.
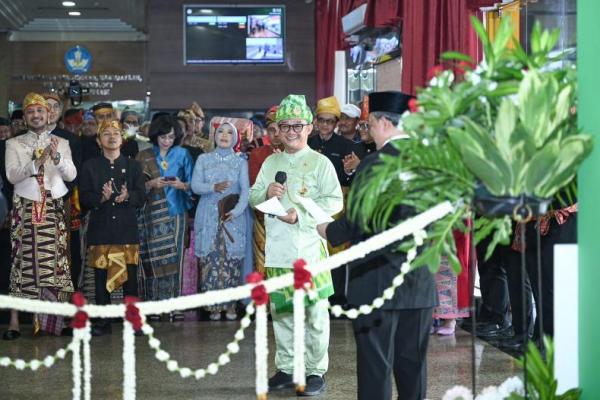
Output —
(38, 164)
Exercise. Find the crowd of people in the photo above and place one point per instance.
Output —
(107, 204)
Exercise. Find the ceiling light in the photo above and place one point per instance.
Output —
(68, 4)
(74, 13)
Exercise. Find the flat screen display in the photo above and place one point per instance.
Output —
(234, 34)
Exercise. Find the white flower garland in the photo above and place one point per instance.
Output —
(35, 364)
(76, 364)
(129, 375)
(299, 319)
(510, 386)
(388, 293)
(415, 224)
(87, 362)
(173, 366)
(261, 352)
(356, 252)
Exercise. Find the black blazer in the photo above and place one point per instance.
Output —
(110, 222)
(369, 277)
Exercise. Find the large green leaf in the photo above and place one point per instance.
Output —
(536, 97)
(573, 150)
(477, 161)
(504, 127)
(539, 169)
(503, 35)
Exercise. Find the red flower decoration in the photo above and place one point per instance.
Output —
(254, 277)
(79, 320)
(301, 275)
(413, 105)
(132, 313)
(78, 299)
(463, 66)
(260, 295)
(434, 71)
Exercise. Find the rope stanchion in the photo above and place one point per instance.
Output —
(134, 312)
(260, 297)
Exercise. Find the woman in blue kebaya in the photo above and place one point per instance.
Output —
(221, 247)
(168, 171)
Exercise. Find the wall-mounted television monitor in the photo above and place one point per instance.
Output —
(235, 34)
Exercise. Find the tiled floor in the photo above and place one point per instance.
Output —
(196, 344)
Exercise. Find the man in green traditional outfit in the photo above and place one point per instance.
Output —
(294, 236)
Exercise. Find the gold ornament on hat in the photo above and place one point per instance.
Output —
(34, 99)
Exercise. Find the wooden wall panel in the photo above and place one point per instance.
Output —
(175, 85)
(47, 58)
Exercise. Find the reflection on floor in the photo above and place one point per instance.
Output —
(196, 344)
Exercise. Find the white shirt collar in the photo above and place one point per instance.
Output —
(396, 137)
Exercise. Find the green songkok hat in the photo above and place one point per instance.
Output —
(294, 107)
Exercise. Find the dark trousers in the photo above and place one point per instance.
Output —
(544, 296)
(339, 277)
(392, 341)
(129, 287)
(517, 289)
(75, 250)
(493, 283)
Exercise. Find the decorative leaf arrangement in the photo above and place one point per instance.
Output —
(507, 126)
(541, 384)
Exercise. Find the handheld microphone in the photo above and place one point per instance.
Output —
(280, 177)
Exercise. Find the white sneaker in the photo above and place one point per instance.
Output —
(231, 315)
(215, 316)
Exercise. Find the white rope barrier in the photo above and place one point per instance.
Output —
(358, 251)
(136, 311)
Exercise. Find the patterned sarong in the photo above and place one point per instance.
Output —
(283, 300)
(219, 270)
(161, 250)
(41, 267)
(114, 258)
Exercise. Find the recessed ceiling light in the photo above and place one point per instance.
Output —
(68, 4)
(74, 13)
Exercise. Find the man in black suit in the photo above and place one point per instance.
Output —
(393, 338)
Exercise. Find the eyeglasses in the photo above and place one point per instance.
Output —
(324, 121)
(297, 128)
(363, 125)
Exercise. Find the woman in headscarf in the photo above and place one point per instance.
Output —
(168, 171)
(221, 236)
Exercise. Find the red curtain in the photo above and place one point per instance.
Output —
(431, 27)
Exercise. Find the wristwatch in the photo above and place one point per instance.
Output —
(56, 158)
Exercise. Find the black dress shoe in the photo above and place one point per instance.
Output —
(66, 331)
(11, 335)
(515, 344)
(281, 380)
(494, 330)
(315, 385)
(101, 329)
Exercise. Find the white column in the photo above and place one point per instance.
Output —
(566, 320)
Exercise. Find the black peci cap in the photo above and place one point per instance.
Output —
(391, 101)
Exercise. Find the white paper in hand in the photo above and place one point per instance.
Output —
(272, 206)
(314, 210)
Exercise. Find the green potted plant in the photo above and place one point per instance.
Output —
(500, 138)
